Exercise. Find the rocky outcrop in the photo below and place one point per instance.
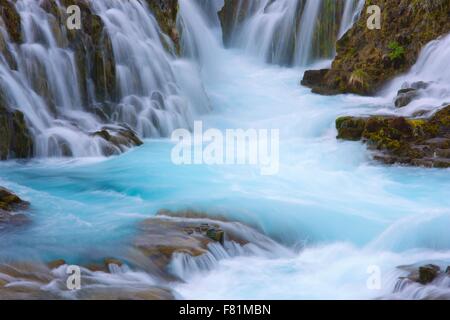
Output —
(409, 92)
(425, 282)
(15, 137)
(119, 138)
(139, 265)
(397, 140)
(166, 12)
(11, 20)
(11, 207)
(366, 59)
(160, 237)
(31, 280)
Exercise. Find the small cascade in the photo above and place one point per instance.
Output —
(352, 10)
(432, 73)
(119, 72)
(288, 32)
(151, 99)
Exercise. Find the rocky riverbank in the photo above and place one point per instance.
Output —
(366, 59)
(143, 272)
(398, 140)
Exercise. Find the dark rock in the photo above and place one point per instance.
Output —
(350, 128)
(120, 139)
(216, 234)
(11, 207)
(416, 142)
(11, 202)
(425, 275)
(15, 137)
(315, 79)
(428, 273)
(11, 18)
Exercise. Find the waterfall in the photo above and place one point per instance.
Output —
(431, 68)
(59, 79)
(288, 32)
(269, 29)
(307, 28)
(352, 10)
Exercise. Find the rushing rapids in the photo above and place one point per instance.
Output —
(328, 218)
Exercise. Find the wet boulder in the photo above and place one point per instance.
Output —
(119, 139)
(409, 93)
(397, 140)
(405, 97)
(11, 20)
(11, 207)
(350, 128)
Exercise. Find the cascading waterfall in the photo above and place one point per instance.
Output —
(41, 77)
(152, 99)
(431, 68)
(352, 10)
(335, 213)
(307, 29)
(286, 32)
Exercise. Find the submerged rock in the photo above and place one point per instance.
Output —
(11, 207)
(409, 92)
(405, 97)
(416, 142)
(36, 281)
(119, 138)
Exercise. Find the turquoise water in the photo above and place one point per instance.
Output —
(329, 196)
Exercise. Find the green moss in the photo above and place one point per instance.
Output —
(396, 51)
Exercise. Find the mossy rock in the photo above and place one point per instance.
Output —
(15, 137)
(10, 202)
(12, 21)
(377, 56)
(417, 142)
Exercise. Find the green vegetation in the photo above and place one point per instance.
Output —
(397, 51)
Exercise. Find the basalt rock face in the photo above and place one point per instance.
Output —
(397, 140)
(366, 58)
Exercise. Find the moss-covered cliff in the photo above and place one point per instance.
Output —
(366, 58)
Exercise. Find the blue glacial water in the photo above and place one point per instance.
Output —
(329, 198)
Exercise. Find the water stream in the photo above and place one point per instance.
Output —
(334, 210)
